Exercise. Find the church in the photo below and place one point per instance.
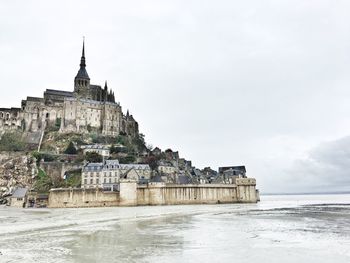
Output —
(88, 108)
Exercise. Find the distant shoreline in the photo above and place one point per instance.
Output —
(316, 193)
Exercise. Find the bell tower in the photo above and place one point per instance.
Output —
(82, 80)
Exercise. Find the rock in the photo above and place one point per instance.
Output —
(16, 169)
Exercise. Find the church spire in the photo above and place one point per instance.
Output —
(82, 73)
(82, 60)
(82, 79)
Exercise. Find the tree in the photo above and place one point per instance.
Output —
(93, 157)
(43, 183)
(71, 149)
(152, 161)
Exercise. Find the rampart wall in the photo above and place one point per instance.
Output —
(130, 194)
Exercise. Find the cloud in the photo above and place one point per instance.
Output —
(325, 169)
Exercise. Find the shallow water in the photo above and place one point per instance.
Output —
(304, 228)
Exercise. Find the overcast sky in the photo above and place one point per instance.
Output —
(260, 83)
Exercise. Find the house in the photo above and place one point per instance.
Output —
(156, 151)
(108, 173)
(102, 150)
(233, 171)
(166, 168)
(229, 174)
(19, 197)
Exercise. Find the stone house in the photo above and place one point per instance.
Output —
(102, 150)
(156, 151)
(166, 168)
(108, 173)
(19, 197)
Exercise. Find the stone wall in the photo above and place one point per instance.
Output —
(79, 197)
(156, 194)
(58, 169)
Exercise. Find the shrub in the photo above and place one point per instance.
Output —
(71, 149)
(11, 142)
(93, 157)
(73, 179)
(43, 182)
(127, 159)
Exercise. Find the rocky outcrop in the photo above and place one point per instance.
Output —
(17, 169)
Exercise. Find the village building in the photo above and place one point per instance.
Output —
(101, 149)
(107, 174)
(229, 174)
(166, 168)
(19, 197)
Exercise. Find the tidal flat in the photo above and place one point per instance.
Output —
(289, 228)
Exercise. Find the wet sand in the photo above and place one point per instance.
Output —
(309, 228)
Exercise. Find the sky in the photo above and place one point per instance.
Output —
(264, 84)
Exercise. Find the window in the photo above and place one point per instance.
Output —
(104, 180)
(85, 181)
(91, 181)
(97, 181)
(110, 180)
(110, 174)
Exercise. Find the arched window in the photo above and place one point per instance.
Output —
(47, 115)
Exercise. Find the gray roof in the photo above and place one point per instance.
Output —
(95, 146)
(35, 99)
(59, 92)
(82, 74)
(20, 192)
(135, 166)
(112, 162)
(183, 179)
(157, 179)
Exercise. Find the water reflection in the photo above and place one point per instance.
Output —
(132, 241)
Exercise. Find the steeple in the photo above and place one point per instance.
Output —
(82, 80)
(82, 60)
(82, 73)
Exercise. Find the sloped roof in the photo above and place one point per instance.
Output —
(20, 192)
(157, 179)
(183, 179)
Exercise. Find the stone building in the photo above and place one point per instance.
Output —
(87, 108)
(19, 197)
(108, 173)
(166, 168)
(103, 150)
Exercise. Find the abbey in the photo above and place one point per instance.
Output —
(88, 108)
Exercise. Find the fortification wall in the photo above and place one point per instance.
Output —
(156, 194)
(78, 197)
(186, 194)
